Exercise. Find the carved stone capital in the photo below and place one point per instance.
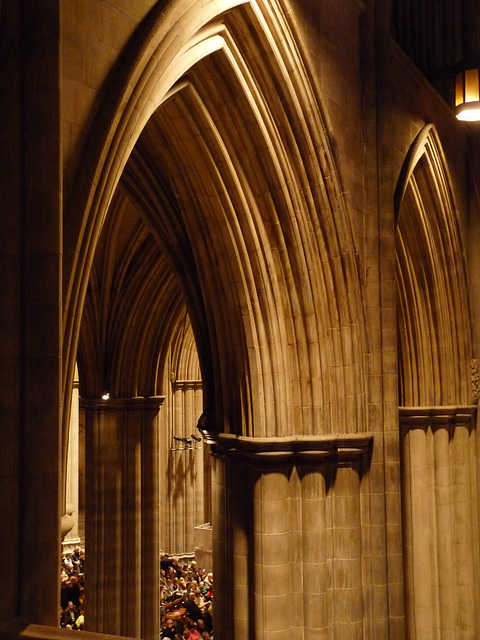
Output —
(436, 417)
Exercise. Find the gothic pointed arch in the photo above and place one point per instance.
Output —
(437, 413)
(219, 140)
(133, 307)
(434, 331)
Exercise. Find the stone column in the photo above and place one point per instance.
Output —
(441, 527)
(31, 401)
(71, 538)
(179, 473)
(122, 517)
(183, 474)
(288, 537)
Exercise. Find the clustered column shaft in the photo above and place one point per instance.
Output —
(122, 517)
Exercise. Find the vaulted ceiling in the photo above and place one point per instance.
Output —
(228, 205)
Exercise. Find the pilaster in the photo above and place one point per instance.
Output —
(439, 456)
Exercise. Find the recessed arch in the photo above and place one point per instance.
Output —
(434, 331)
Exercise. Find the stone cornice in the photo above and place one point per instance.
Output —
(421, 417)
(341, 450)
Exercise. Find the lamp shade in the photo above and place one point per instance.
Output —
(467, 95)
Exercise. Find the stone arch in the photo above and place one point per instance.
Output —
(184, 360)
(288, 347)
(434, 331)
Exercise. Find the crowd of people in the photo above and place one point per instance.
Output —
(186, 600)
(72, 590)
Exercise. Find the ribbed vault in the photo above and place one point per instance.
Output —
(220, 144)
(133, 307)
(434, 333)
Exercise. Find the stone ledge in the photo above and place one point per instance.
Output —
(340, 450)
(116, 404)
(20, 629)
(437, 416)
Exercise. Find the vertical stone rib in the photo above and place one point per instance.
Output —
(347, 559)
(408, 533)
(443, 494)
(190, 486)
(110, 524)
(314, 546)
(425, 605)
(272, 553)
(221, 560)
(131, 526)
(241, 524)
(178, 462)
(465, 536)
(93, 494)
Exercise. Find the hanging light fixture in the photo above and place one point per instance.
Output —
(467, 95)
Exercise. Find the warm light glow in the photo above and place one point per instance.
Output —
(105, 395)
(467, 95)
(459, 98)
(469, 115)
(471, 85)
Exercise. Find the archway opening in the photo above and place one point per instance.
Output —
(221, 152)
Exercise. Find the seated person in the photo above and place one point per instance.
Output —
(208, 617)
(193, 610)
(69, 616)
(191, 633)
(80, 621)
(169, 630)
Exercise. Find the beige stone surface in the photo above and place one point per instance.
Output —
(261, 216)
